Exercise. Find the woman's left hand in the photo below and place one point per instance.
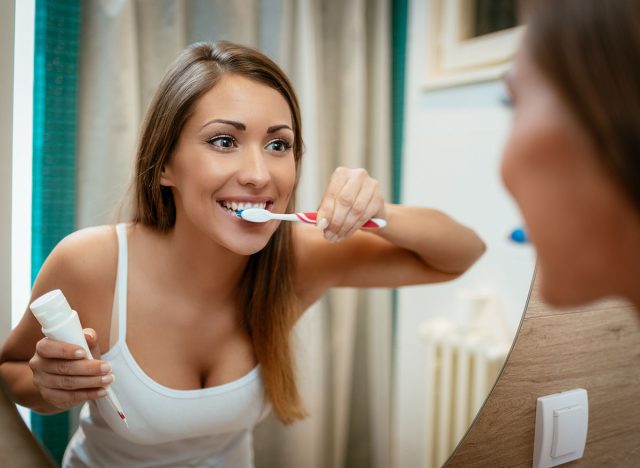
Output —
(352, 198)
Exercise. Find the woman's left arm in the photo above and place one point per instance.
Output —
(418, 245)
(435, 238)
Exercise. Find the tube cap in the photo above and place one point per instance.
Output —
(50, 308)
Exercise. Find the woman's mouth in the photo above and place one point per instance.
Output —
(232, 207)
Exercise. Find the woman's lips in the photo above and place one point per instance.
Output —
(244, 222)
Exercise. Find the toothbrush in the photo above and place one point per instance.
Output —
(258, 215)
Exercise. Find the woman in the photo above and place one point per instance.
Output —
(572, 161)
(197, 329)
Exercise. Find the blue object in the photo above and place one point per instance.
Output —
(519, 236)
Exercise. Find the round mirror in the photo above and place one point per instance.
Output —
(388, 379)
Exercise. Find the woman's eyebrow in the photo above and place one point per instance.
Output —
(275, 128)
(241, 126)
(233, 123)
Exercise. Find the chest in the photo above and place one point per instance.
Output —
(184, 346)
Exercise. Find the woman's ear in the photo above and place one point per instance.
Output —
(166, 178)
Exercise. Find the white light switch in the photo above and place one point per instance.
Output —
(561, 428)
(566, 439)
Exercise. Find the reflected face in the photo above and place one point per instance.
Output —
(235, 151)
(576, 217)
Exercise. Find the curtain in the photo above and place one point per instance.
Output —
(55, 84)
(337, 54)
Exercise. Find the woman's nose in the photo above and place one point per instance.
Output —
(253, 169)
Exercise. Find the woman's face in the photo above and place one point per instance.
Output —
(235, 151)
(575, 215)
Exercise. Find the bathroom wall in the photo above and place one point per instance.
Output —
(595, 347)
(453, 140)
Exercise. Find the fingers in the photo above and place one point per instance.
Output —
(67, 367)
(53, 349)
(64, 378)
(343, 208)
(65, 399)
(64, 389)
(351, 198)
(364, 208)
(71, 382)
(92, 341)
(327, 205)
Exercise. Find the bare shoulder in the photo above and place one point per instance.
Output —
(84, 255)
(83, 265)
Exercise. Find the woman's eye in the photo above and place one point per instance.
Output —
(279, 146)
(223, 141)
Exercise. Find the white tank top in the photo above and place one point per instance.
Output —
(209, 427)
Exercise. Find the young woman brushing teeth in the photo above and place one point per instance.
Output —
(193, 306)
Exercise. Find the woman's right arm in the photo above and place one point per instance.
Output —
(47, 375)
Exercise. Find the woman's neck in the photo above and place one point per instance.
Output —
(195, 263)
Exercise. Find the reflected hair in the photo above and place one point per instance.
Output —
(590, 51)
(265, 293)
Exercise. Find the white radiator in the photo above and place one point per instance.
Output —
(461, 369)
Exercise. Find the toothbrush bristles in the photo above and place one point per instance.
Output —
(239, 213)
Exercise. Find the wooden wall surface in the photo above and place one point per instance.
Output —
(597, 348)
(18, 447)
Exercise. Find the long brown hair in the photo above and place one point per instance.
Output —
(266, 294)
(590, 51)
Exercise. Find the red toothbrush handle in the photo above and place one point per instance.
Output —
(308, 217)
(311, 217)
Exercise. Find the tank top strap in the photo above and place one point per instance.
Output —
(121, 281)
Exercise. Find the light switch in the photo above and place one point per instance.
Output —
(566, 433)
(561, 428)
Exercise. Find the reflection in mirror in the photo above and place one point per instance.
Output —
(490, 16)
(453, 338)
(345, 340)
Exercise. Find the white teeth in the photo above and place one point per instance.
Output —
(243, 205)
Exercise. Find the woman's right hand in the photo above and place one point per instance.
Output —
(63, 375)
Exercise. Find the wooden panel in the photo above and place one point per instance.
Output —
(596, 348)
(537, 308)
(18, 447)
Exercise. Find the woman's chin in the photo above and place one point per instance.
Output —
(563, 295)
(248, 251)
(248, 247)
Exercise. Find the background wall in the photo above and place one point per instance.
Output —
(453, 141)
